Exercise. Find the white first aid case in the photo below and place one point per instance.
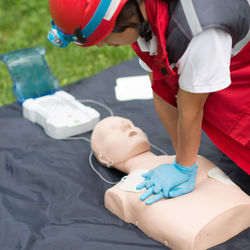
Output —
(60, 114)
(133, 88)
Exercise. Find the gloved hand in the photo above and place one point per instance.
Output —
(168, 180)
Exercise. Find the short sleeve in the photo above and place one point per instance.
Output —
(144, 65)
(205, 65)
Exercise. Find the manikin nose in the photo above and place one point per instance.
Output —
(132, 133)
(130, 129)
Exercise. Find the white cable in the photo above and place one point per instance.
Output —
(112, 114)
(157, 148)
(91, 154)
(88, 140)
(90, 159)
(99, 103)
(78, 138)
(110, 182)
(99, 174)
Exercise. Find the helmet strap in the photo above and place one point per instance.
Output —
(145, 29)
(79, 35)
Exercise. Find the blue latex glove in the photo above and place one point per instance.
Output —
(168, 180)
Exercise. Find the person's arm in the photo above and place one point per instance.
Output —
(201, 71)
(203, 68)
(190, 115)
(169, 117)
(183, 124)
(172, 180)
(184, 127)
(166, 113)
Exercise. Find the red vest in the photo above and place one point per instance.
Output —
(226, 117)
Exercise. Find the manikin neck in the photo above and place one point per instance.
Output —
(133, 162)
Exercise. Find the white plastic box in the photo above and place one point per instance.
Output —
(60, 114)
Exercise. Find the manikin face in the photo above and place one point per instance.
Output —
(116, 140)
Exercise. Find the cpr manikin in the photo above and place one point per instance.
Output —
(214, 212)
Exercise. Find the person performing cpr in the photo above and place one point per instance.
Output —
(197, 53)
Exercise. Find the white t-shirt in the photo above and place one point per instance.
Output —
(204, 67)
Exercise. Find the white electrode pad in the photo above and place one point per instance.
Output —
(133, 88)
(220, 176)
(60, 114)
(129, 182)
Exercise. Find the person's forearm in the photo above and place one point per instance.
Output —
(188, 133)
(190, 115)
(169, 117)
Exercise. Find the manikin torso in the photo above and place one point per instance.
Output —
(214, 212)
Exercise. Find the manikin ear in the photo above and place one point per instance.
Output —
(104, 160)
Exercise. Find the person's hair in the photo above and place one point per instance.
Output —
(128, 11)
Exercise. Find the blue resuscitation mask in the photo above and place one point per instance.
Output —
(58, 38)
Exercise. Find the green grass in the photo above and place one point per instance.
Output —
(25, 23)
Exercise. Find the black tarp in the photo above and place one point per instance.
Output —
(51, 199)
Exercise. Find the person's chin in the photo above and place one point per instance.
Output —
(113, 45)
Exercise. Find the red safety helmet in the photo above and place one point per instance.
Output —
(68, 15)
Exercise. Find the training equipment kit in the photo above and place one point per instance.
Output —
(60, 114)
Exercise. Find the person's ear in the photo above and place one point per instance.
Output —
(104, 160)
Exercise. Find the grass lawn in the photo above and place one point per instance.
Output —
(25, 23)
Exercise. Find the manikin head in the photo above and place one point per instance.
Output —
(115, 140)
